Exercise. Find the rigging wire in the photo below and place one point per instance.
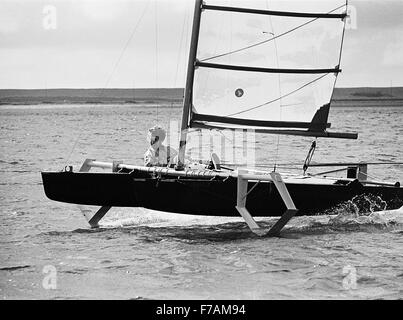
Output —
(188, 36)
(156, 50)
(230, 47)
(178, 59)
(184, 23)
(111, 74)
(341, 50)
(279, 85)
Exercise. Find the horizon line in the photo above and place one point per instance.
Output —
(170, 88)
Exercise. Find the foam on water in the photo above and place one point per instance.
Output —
(362, 211)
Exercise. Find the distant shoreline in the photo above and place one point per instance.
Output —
(350, 97)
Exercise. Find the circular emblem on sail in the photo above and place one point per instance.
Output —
(239, 92)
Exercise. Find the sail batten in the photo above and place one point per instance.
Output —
(265, 70)
(275, 13)
(290, 132)
(254, 123)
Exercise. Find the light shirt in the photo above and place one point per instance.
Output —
(159, 156)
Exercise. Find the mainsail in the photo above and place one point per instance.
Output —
(271, 66)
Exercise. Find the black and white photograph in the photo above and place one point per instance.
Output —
(217, 152)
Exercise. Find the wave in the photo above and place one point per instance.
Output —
(13, 268)
(362, 205)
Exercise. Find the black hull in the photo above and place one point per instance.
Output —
(202, 196)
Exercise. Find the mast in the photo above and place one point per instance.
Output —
(187, 100)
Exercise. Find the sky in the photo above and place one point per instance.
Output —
(144, 43)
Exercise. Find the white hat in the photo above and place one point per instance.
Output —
(156, 131)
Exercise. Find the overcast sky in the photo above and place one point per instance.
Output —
(85, 43)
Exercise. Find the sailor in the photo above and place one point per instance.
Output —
(158, 155)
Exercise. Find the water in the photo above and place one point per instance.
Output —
(141, 254)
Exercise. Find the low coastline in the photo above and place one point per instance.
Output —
(343, 97)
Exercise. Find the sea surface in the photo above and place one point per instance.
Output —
(48, 251)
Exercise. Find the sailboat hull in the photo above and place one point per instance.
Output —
(205, 196)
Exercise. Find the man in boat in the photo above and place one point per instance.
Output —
(158, 155)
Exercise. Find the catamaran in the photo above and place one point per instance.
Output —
(275, 75)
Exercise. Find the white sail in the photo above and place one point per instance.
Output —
(274, 63)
